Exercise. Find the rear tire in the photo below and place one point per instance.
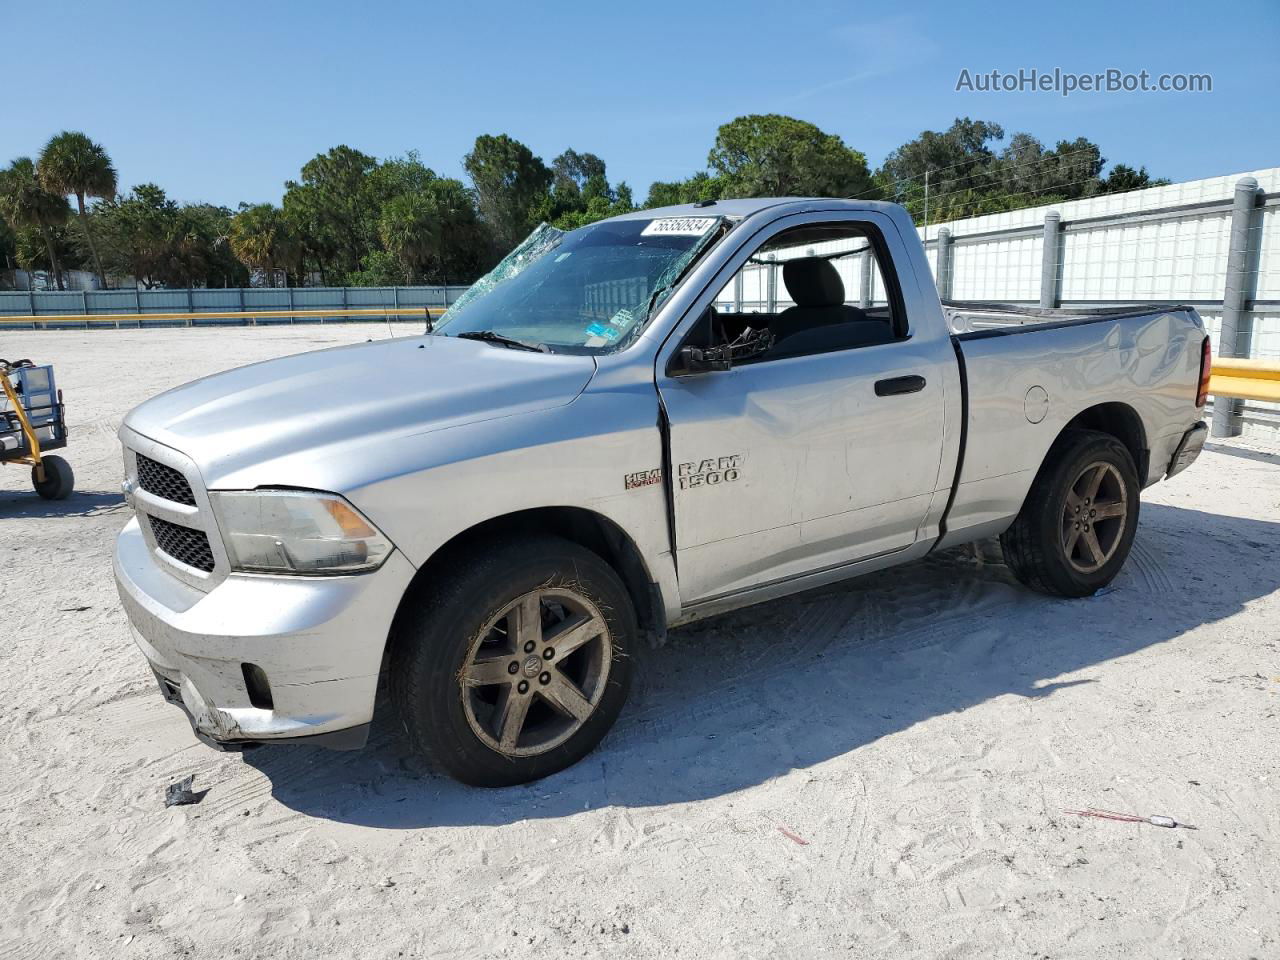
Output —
(496, 695)
(59, 478)
(1076, 527)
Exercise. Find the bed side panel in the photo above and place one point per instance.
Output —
(1150, 362)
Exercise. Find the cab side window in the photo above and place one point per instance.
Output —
(816, 289)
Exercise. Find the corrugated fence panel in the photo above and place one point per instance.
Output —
(22, 303)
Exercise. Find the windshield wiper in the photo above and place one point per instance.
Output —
(491, 336)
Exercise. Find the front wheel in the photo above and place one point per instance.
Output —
(516, 664)
(1075, 529)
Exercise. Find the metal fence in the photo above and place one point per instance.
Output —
(1213, 244)
(135, 304)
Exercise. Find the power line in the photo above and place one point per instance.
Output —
(1004, 167)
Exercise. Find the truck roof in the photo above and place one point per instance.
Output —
(747, 206)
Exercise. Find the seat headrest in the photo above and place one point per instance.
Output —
(813, 282)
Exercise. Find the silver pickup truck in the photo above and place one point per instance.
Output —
(648, 420)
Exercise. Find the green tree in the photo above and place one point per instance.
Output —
(26, 202)
(1122, 178)
(967, 178)
(511, 187)
(960, 167)
(410, 231)
(201, 250)
(262, 238)
(577, 177)
(701, 186)
(465, 249)
(334, 209)
(769, 155)
(8, 246)
(71, 163)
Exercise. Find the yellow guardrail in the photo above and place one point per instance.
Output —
(1245, 379)
(114, 318)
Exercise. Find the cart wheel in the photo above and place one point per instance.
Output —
(58, 479)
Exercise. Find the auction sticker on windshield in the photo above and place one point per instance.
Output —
(678, 227)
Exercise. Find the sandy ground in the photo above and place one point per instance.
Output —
(878, 769)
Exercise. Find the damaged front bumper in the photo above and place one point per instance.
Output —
(263, 659)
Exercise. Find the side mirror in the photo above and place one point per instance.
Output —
(702, 360)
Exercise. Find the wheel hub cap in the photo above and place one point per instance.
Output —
(536, 672)
(1094, 517)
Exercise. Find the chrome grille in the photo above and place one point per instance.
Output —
(164, 482)
(182, 543)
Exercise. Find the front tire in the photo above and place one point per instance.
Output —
(1077, 525)
(515, 665)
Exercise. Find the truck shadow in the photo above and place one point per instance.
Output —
(740, 699)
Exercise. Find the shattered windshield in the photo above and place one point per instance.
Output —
(591, 290)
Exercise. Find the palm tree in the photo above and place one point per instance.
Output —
(410, 230)
(26, 203)
(72, 163)
(262, 238)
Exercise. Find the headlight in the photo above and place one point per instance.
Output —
(297, 532)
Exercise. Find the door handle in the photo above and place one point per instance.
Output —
(896, 385)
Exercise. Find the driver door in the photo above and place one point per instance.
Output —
(789, 466)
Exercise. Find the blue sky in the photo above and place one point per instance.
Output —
(225, 101)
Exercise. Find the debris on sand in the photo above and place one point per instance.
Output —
(793, 836)
(180, 793)
(1156, 820)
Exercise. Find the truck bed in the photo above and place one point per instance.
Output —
(970, 319)
(1021, 391)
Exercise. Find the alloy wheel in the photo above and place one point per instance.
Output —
(536, 672)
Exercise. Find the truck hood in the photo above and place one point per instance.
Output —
(286, 421)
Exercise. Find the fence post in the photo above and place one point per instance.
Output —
(864, 279)
(737, 292)
(1050, 282)
(1233, 339)
(944, 264)
(772, 286)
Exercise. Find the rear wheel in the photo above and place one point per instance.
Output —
(516, 665)
(1075, 529)
(59, 478)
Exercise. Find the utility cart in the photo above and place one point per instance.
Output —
(31, 424)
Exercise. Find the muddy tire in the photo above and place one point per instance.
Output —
(1075, 529)
(515, 664)
(59, 479)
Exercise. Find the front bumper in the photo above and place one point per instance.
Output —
(318, 640)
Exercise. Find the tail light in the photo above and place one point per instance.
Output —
(1206, 369)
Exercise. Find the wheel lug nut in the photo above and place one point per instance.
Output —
(548, 653)
(523, 687)
(528, 647)
(513, 667)
(545, 678)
